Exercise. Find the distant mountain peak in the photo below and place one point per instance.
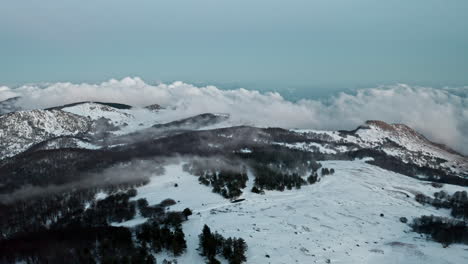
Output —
(108, 104)
(404, 134)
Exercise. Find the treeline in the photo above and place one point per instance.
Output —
(164, 232)
(214, 244)
(112, 209)
(327, 171)
(443, 230)
(74, 244)
(82, 231)
(271, 178)
(287, 160)
(228, 178)
(225, 178)
(279, 168)
(458, 202)
(47, 208)
(53, 167)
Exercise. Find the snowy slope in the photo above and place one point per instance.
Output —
(377, 132)
(135, 119)
(396, 140)
(19, 130)
(336, 219)
(95, 121)
(127, 120)
(65, 142)
(107, 125)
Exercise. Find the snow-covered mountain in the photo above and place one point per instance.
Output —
(352, 214)
(23, 129)
(20, 130)
(395, 140)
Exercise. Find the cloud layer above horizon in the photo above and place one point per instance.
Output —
(439, 114)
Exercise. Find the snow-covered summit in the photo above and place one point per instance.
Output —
(95, 111)
(102, 121)
(395, 139)
(126, 120)
(19, 130)
(377, 132)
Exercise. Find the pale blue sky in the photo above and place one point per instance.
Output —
(309, 45)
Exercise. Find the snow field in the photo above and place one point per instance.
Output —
(337, 219)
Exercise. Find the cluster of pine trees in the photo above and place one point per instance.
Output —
(213, 244)
(288, 161)
(272, 179)
(327, 171)
(313, 177)
(114, 208)
(458, 202)
(274, 167)
(78, 230)
(156, 211)
(154, 237)
(48, 208)
(74, 244)
(443, 230)
(228, 184)
(225, 179)
(269, 178)
(279, 168)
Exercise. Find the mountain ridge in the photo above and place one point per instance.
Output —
(95, 167)
(101, 126)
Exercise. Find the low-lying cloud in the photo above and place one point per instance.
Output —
(440, 114)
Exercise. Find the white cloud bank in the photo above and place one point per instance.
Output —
(440, 114)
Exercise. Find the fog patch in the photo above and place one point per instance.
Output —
(135, 171)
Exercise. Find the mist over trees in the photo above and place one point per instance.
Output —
(75, 219)
(273, 168)
(227, 179)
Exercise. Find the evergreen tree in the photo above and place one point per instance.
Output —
(187, 212)
(239, 249)
(178, 242)
(227, 248)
